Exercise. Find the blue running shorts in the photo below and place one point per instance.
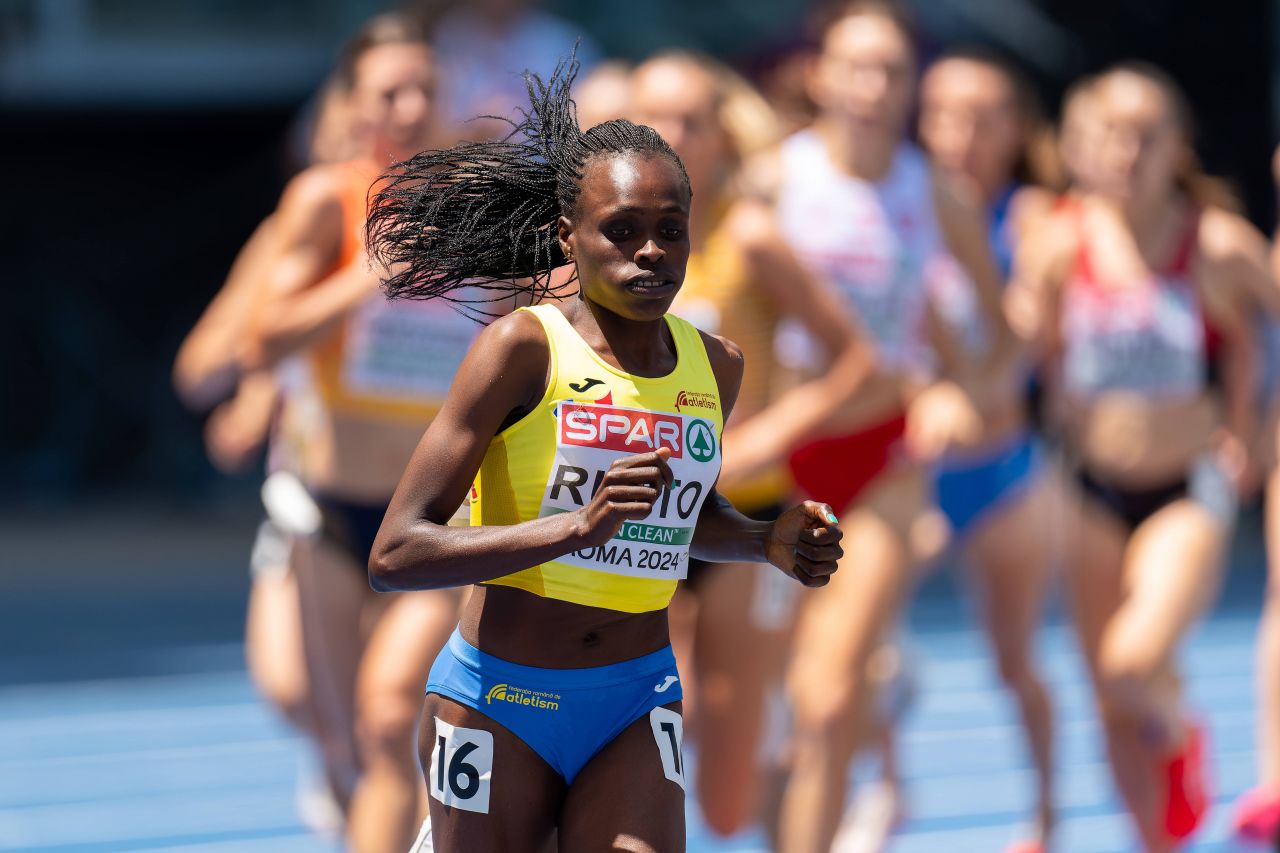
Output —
(565, 715)
(969, 489)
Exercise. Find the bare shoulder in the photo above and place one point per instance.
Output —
(753, 225)
(1226, 237)
(761, 176)
(505, 368)
(1029, 206)
(751, 218)
(518, 335)
(1235, 259)
(1055, 237)
(721, 351)
(314, 187)
(726, 360)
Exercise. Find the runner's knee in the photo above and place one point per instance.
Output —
(385, 724)
(1125, 673)
(724, 810)
(1014, 668)
(826, 714)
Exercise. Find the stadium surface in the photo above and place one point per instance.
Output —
(127, 721)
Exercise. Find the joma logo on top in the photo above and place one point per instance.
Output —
(621, 430)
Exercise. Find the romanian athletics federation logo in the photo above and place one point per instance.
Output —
(700, 440)
(695, 400)
(520, 696)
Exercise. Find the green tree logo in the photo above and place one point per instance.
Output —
(700, 440)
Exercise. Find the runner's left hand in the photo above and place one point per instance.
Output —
(805, 543)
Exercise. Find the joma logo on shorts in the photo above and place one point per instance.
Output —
(620, 430)
(520, 696)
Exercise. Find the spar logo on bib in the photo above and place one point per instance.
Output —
(700, 439)
(627, 431)
(591, 437)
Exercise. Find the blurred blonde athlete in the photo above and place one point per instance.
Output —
(864, 210)
(242, 410)
(979, 121)
(731, 622)
(1147, 289)
(378, 374)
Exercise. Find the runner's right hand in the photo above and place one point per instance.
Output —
(627, 492)
(805, 543)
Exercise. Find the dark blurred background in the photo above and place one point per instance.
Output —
(143, 141)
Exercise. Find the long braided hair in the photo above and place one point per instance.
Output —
(476, 223)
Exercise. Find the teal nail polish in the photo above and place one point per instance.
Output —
(831, 518)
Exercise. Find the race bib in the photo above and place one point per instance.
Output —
(668, 733)
(1146, 338)
(889, 308)
(405, 348)
(589, 437)
(461, 767)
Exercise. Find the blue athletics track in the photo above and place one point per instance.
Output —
(127, 721)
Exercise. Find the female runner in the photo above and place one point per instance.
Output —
(553, 716)
(978, 121)
(1137, 279)
(242, 410)
(862, 207)
(378, 374)
(731, 623)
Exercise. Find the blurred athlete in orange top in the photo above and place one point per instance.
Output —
(378, 374)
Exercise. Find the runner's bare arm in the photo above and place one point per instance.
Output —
(303, 299)
(962, 224)
(237, 429)
(1241, 290)
(723, 534)
(1241, 259)
(800, 413)
(1041, 265)
(205, 371)
(775, 269)
(503, 377)
(804, 542)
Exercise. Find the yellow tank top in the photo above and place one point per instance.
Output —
(388, 360)
(552, 460)
(717, 297)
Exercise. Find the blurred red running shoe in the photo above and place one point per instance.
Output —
(1186, 782)
(1257, 818)
(1025, 846)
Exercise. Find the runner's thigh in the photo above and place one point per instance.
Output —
(630, 796)
(489, 791)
